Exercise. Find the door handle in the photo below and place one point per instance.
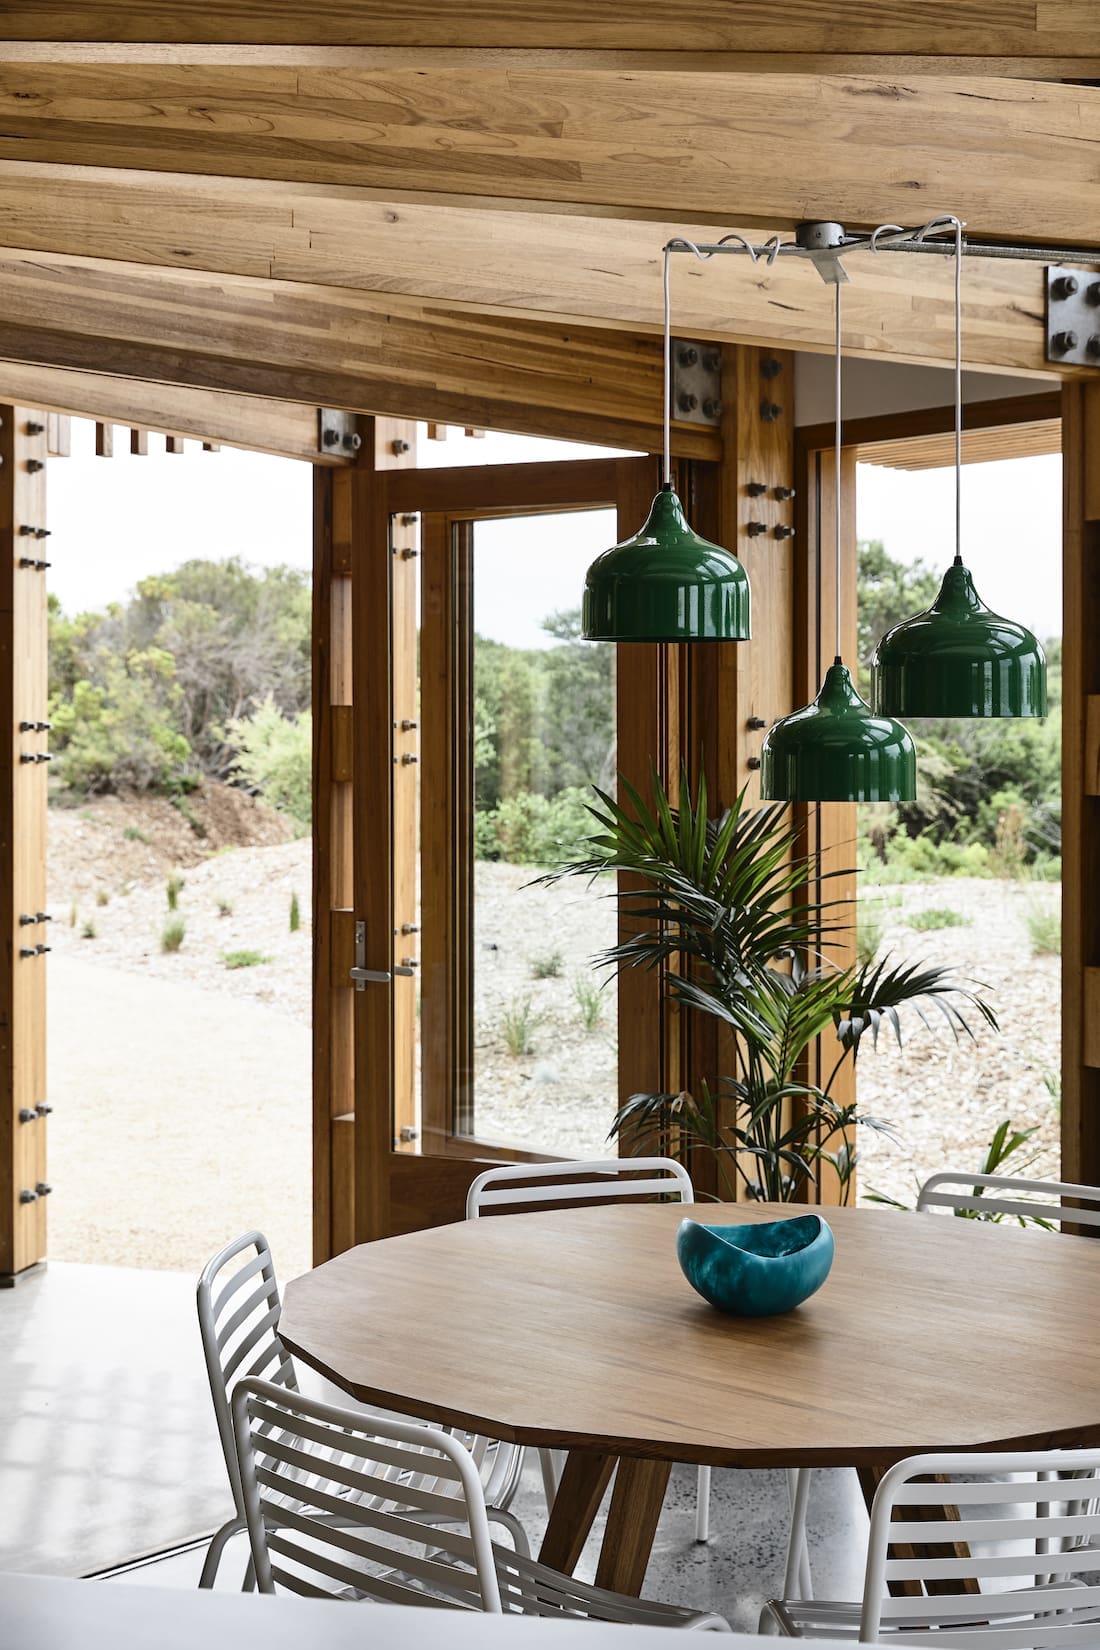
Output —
(364, 976)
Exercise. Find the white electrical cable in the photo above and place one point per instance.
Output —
(839, 438)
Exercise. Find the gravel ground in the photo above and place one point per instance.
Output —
(175, 1069)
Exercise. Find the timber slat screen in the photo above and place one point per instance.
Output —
(24, 927)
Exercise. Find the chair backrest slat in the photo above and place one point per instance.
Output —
(1002, 1506)
(555, 1183)
(1051, 1201)
(366, 1496)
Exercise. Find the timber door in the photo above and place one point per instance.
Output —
(24, 924)
(480, 720)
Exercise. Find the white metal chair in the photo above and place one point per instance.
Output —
(239, 1310)
(552, 1184)
(340, 1504)
(1048, 1201)
(1000, 1518)
(960, 1192)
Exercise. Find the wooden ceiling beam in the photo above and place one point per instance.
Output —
(546, 267)
(280, 427)
(1015, 158)
(286, 341)
(977, 28)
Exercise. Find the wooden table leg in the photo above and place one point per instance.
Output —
(636, 1503)
(583, 1482)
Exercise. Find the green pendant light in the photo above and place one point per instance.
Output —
(666, 584)
(837, 749)
(958, 658)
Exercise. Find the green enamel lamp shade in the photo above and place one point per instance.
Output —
(959, 659)
(666, 584)
(838, 750)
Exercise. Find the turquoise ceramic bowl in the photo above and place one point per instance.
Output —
(758, 1270)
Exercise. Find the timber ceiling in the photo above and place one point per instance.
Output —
(362, 204)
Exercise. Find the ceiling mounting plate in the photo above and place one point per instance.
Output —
(1073, 316)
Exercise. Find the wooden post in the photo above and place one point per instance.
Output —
(1081, 784)
(23, 927)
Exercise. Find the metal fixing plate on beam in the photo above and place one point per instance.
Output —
(1073, 316)
(337, 435)
(696, 382)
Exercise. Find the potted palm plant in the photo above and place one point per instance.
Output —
(722, 906)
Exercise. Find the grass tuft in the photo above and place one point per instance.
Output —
(172, 934)
(173, 888)
(937, 916)
(244, 959)
(590, 1001)
(517, 1026)
(1044, 930)
(547, 966)
(295, 914)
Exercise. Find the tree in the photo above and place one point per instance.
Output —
(888, 592)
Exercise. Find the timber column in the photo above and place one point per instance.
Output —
(24, 926)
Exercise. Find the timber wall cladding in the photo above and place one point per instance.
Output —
(879, 149)
(1012, 28)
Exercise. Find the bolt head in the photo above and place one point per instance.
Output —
(687, 355)
(352, 441)
(1063, 342)
(330, 436)
(686, 401)
(1092, 347)
(1092, 293)
(1065, 286)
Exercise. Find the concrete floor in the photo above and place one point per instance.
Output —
(109, 1450)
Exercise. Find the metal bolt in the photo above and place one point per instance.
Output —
(27, 951)
(770, 367)
(27, 1196)
(42, 1109)
(409, 519)
(756, 723)
(687, 355)
(26, 532)
(26, 920)
(753, 762)
(26, 1115)
(409, 928)
(1092, 293)
(783, 532)
(1063, 342)
(409, 554)
(330, 437)
(712, 360)
(769, 412)
(712, 408)
(42, 916)
(41, 950)
(408, 725)
(1092, 347)
(34, 465)
(398, 447)
(26, 756)
(410, 962)
(352, 441)
(686, 401)
(756, 488)
(407, 759)
(782, 493)
(1065, 286)
(755, 528)
(36, 429)
(42, 1188)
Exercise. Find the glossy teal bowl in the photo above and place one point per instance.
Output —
(757, 1270)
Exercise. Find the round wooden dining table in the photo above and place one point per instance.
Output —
(575, 1329)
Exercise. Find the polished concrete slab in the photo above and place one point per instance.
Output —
(109, 1450)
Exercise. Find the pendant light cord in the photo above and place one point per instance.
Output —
(839, 438)
(958, 389)
(666, 475)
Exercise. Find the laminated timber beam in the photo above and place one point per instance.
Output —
(1014, 157)
(981, 29)
(284, 341)
(566, 269)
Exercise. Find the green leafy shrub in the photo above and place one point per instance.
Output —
(546, 967)
(173, 932)
(119, 727)
(275, 755)
(244, 959)
(531, 829)
(937, 916)
(295, 914)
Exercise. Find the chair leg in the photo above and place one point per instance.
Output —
(702, 1505)
(797, 1582)
(216, 1548)
(551, 1475)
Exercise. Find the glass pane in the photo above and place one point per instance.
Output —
(545, 1030)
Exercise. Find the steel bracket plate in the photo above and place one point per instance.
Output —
(696, 382)
(337, 434)
(1073, 316)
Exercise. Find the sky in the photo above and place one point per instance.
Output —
(114, 521)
